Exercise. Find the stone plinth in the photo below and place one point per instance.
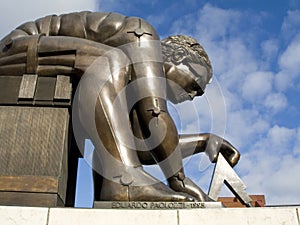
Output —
(10, 215)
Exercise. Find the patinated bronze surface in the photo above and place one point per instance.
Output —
(38, 59)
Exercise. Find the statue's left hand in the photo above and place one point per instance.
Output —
(216, 145)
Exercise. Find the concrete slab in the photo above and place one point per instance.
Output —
(238, 216)
(60, 216)
(13, 215)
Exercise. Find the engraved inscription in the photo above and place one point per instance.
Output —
(157, 205)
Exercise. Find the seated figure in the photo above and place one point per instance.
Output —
(176, 68)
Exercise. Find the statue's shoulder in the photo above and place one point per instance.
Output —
(96, 26)
(107, 27)
(103, 24)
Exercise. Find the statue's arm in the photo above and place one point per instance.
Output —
(191, 144)
(211, 144)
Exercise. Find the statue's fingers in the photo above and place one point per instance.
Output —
(230, 153)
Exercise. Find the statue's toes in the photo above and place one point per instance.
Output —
(189, 187)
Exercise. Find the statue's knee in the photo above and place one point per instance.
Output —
(153, 115)
(155, 105)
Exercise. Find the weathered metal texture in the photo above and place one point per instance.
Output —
(31, 89)
(63, 88)
(9, 89)
(28, 86)
(45, 89)
(30, 199)
(28, 183)
(33, 153)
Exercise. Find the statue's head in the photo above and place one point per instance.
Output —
(187, 65)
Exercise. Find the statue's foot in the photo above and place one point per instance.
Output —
(185, 185)
(143, 188)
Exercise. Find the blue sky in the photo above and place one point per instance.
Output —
(254, 47)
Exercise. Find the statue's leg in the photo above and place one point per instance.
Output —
(168, 152)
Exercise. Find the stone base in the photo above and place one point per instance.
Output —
(156, 205)
(226, 216)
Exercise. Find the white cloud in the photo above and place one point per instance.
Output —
(290, 59)
(296, 149)
(14, 12)
(244, 126)
(276, 102)
(280, 139)
(283, 80)
(283, 185)
(232, 60)
(291, 24)
(218, 22)
(289, 62)
(271, 168)
(269, 50)
(257, 85)
(276, 176)
(185, 116)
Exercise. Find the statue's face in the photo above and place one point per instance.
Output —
(186, 79)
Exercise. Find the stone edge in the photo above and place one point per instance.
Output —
(10, 215)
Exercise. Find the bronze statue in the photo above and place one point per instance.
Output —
(68, 44)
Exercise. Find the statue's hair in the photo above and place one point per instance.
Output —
(189, 43)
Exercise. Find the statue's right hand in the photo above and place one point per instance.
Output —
(216, 145)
